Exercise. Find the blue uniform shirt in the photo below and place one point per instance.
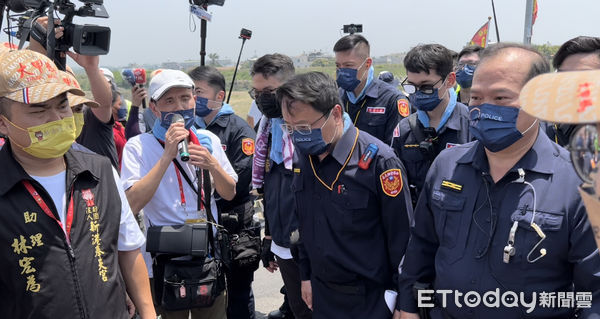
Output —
(354, 234)
(377, 113)
(406, 145)
(458, 241)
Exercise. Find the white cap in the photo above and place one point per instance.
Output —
(108, 74)
(168, 79)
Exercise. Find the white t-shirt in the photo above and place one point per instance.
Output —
(130, 235)
(254, 112)
(140, 155)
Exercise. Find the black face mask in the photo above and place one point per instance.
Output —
(267, 104)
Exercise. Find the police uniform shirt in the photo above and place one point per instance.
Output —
(378, 112)
(458, 241)
(237, 139)
(355, 229)
(406, 145)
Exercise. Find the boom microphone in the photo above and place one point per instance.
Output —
(182, 147)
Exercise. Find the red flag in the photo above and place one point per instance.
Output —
(481, 36)
(535, 12)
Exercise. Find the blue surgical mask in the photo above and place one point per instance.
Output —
(313, 143)
(122, 114)
(426, 102)
(464, 76)
(202, 108)
(495, 126)
(346, 78)
(188, 117)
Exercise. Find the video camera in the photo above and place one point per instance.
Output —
(353, 28)
(85, 39)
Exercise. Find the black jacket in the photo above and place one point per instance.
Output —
(237, 139)
(80, 280)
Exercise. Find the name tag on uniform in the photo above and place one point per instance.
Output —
(376, 110)
(451, 145)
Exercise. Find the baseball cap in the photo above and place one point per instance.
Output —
(69, 79)
(6, 46)
(30, 77)
(108, 74)
(563, 97)
(166, 80)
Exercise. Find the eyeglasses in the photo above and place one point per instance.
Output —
(254, 92)
(303, 129)
(584, 148)
(425, 88)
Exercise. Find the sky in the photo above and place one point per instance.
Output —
(155, 31)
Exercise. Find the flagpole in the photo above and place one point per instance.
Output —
(528, 22)
(495, 22)
(487, 38)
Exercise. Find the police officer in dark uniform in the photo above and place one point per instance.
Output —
(373, 105)
(352, 205)
(502, 215)
(237, 139)
(272, 176)
(578, 54)
(439, 123)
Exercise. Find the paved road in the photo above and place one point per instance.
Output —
(266, 291)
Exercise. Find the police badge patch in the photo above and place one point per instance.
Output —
(248, 146)
(391, 182)
(403, 107)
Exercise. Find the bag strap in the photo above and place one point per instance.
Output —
(204, 177)
(415, 128)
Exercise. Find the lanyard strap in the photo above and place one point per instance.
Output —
(360, 109)
(40, 201)
(341, 169)
(181, 193)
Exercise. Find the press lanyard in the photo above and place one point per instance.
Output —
(360, 109)
(40, 201)
(341, 169)
(182, 194)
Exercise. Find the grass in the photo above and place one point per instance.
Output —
(241, 101)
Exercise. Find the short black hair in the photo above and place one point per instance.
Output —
(539, 65)
(276, 64)
(426, 57)
(210, 75)
(350, 42)
(316, 89)
(581, 44)
(469, 50)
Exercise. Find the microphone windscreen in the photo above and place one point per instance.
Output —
(140, 75)
(128, 76)
(177, 118)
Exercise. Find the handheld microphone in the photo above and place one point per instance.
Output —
(182, 147)
(140, 79)
(128, 76)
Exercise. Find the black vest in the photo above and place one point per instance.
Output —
(42, 275)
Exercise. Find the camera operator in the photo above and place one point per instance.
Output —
(167, 192)
(99, 137)
(76, 269)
